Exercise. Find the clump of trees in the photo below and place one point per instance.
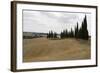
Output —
(78, 33)
(83, 32)
(51, 34)
(66, 34)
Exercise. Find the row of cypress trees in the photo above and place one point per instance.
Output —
(52, 34)
(82, 33)
(79, 33)
(66, 34)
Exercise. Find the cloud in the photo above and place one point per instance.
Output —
(43, 21)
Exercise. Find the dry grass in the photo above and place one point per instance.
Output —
(42, 49)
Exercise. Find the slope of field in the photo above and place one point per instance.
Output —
(43, 49)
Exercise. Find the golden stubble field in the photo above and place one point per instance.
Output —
(43, 49)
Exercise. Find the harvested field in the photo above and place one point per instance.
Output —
(43, 49)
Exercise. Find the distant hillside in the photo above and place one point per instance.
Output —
(33, 34)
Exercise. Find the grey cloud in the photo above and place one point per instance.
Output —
(44, 21)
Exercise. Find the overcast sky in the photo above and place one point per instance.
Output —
(44, 21)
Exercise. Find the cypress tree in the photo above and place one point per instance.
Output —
(76, 31)
(85, 36)
(71, 33)
(83, 32)
(51, 34)
(66, 33)
(55, 35)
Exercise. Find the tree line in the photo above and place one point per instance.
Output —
(51, 34)
(78, 33)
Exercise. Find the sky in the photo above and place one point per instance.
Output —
(44, 21)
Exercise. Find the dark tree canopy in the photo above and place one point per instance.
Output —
(78, 33)
(83, 32)
(55, 35)
(51, 34)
